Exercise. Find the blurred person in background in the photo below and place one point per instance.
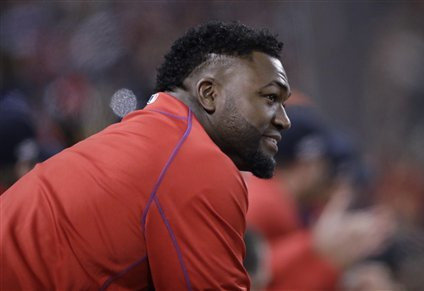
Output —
(19, 150)
(401, 188)
(157, 200)
(302, 213)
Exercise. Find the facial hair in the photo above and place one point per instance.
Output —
(243, 140)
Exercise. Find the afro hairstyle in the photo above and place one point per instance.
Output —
(197, 44)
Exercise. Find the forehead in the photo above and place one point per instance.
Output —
(261, 69)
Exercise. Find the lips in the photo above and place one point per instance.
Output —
(271, 141)
(275, 136)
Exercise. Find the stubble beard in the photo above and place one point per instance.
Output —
(244, 141)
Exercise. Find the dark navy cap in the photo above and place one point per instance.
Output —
(310, 137)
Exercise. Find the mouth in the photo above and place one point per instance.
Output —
(271, 141)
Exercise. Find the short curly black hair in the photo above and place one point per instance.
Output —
(193, 49)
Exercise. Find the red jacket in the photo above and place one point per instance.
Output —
(148, 201)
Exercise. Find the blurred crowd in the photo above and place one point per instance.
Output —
(346, 207)
(321, 222)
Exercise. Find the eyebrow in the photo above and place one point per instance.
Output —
(279, 84)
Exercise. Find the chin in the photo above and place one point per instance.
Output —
(263, 175)
(263, 166)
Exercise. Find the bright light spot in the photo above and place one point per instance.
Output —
(123, 102)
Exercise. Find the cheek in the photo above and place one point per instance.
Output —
(259, 116)
(246, 112)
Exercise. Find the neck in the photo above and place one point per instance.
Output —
(202, 116)
(186, 98)
(207, 122)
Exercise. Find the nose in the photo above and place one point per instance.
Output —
(281, 120)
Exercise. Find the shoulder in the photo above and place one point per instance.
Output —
(207, 165)
(200, 171)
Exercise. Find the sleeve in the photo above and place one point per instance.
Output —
(296, 266)
(194, 234)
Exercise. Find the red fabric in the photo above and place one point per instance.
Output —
(296, 266)
(76, 221)
(2, 189)
(294, 263)
(271, 211)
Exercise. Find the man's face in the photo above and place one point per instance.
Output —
(250, 113)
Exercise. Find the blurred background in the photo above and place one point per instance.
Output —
(360, 63)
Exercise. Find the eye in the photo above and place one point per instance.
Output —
(271, 98)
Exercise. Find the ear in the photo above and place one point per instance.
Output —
(206, 94)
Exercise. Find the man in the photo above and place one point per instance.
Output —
(157, 200)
